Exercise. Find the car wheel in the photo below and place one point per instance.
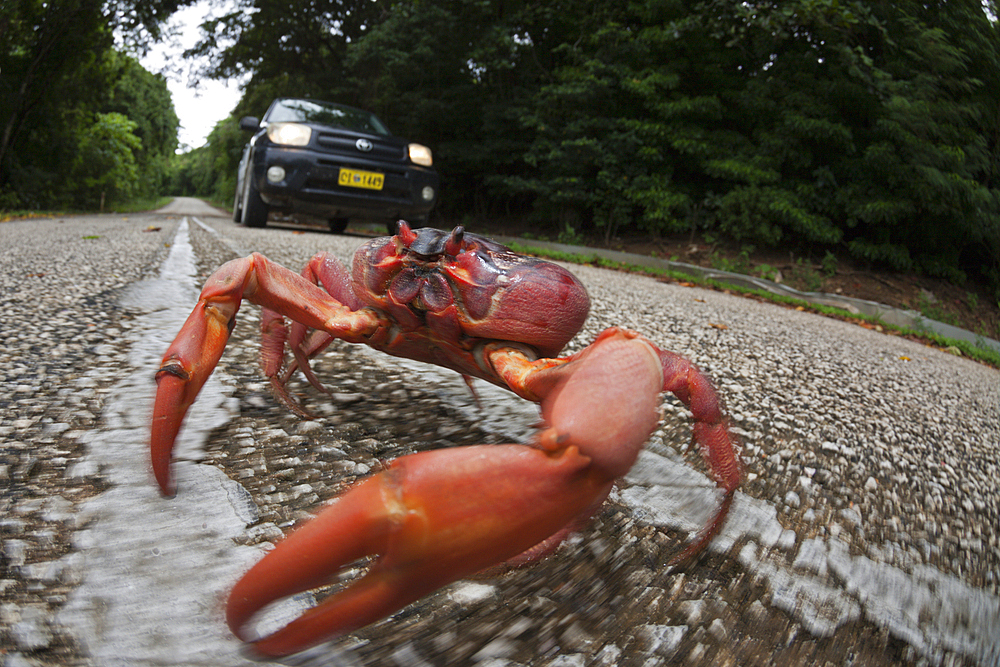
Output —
(337, 225)
(254, 209)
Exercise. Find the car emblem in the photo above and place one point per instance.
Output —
(364, 145)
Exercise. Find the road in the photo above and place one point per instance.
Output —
(865, 532)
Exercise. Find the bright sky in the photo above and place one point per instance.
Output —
(199, 103)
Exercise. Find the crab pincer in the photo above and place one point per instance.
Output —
(465, 303)
(435, 517)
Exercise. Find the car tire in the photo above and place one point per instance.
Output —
(337, 225)
(237, 207)
(255, 211)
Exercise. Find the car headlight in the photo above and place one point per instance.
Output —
(420, 154)
(275, 174)
(289, 134)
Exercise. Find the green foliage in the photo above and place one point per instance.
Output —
(805, 276)
(861, 128)
(58, 73)
(767, 272)
(570, 236)
(105, 170)
(210, 170)
(741, 264)
(829, 264)
(868, 129)
(143, 97)
(766, 214)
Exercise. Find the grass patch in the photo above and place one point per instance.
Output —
(134, 206)
(18, 214)
(141, 205)
(979, 353)
(225, 205)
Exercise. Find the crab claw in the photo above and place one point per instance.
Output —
(191, 358)
(186, 366)
(622, 373)
(429, 520)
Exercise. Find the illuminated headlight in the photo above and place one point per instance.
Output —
(420, 154)
(275, 174)
(427, 193)
(289, 134)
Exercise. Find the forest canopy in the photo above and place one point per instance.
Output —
(869, 128)
(81, 121)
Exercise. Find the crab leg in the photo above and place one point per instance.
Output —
(431, 518)
(711, 432)
(625, 364)
(193, 355)
(323, 269)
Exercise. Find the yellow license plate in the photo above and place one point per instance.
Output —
(352, 178)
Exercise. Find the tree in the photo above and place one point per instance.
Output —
(105, 169)
(144, 98)
(286, 45)
(925, 195)
(46, 48)
(54, 76)
(868, 127)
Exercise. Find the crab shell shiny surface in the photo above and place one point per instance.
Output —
(454, 289)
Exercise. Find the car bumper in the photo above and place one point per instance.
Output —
(311, 186)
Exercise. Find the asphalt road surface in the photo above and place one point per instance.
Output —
(865, 531)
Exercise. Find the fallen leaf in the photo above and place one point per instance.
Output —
(721, 327)
(905, 358)
(700, 300)
(151, 228)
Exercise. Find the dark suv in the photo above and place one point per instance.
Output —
(312, 159)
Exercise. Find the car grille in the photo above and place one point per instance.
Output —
(346, 144)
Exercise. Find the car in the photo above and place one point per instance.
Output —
(310, 160)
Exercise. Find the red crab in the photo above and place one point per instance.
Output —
(466, 303)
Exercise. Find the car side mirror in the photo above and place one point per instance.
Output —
(249, 123)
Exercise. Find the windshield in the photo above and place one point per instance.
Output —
(325, 113)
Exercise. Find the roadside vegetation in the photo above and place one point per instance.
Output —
(135, 205)
(980, 353)
(82, 125)
(866, 131)
(862, 129)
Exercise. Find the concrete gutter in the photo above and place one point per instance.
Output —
(907, 319)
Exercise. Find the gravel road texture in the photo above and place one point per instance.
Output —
(865, 532)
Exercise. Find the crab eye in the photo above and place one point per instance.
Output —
(454, 243)
(404, 234)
